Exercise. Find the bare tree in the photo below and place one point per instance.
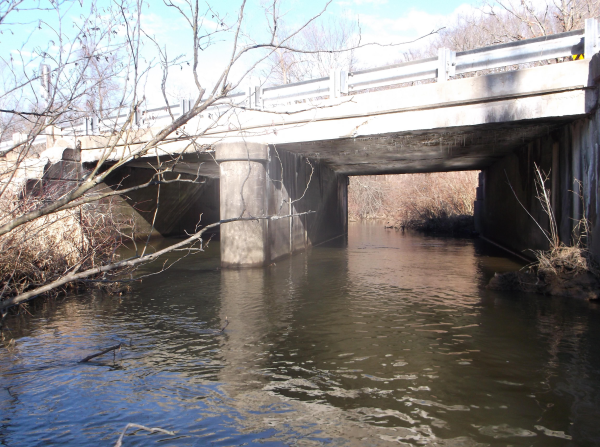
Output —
(96, 64)
(323, 46)
(410, 200)
(500, 21)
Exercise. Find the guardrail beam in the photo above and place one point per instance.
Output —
(447, 65)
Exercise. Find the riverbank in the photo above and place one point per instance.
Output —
(457, 226)
(46, 249)
(570, 272)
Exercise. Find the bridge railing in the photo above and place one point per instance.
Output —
(149, 117)
(447, 65)
(450, 63)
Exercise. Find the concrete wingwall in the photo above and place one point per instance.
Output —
(182, 205)
(567, 155)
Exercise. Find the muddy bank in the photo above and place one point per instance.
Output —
(566, 271)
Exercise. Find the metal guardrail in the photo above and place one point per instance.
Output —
(149, 117)
(18, 138)
(445, 66)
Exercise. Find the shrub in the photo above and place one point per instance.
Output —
(47, 248)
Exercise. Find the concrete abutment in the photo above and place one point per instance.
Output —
(507, 210)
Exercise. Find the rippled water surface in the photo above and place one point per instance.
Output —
(390, 340)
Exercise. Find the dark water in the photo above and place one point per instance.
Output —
(391, 340)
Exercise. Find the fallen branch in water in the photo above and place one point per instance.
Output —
(93, 356)
(131, 262)
(141, 427)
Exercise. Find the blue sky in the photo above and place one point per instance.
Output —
(385, 21)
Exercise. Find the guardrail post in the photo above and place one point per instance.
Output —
(446, 64)
(91, 125)
(185, 105)
(591, 38)
(253, 100)
(338, 82)
(256, 97)
(248, 100)
(344, 82)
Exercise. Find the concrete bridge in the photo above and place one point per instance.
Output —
(291, 149)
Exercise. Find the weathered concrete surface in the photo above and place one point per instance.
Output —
(300, 185)
(243, 194)
(569, 154)
(463, 124)
(258, 180)
(500, 216)
(181, 205)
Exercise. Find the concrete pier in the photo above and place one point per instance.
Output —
(243, 174)
(257, 180)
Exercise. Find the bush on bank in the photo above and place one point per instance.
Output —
(47, 248)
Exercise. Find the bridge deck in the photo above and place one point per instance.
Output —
(464, 124)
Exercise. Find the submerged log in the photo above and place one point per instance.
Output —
(107, 350)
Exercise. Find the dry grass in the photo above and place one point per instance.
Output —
(561, 270)
(42, 251)
(439, 202)
(565, 260)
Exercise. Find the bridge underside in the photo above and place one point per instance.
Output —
(419, 151)
(439, 150)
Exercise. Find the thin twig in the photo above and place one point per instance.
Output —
(226, 324)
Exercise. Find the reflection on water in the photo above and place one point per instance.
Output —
(391, 340)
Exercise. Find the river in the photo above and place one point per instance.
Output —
(391, 339)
